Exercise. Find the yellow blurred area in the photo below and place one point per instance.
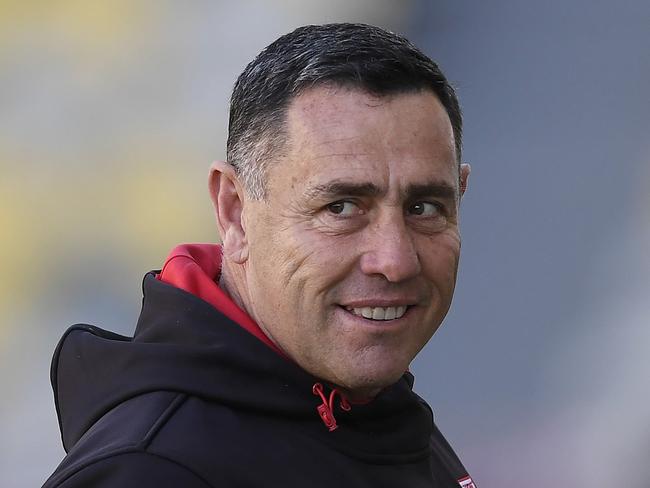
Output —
(84, 173)
(87, 24)
(17, 214)
(139, 211)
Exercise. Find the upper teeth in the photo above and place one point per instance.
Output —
(380, 313)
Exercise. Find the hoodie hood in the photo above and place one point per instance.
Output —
(184, 344)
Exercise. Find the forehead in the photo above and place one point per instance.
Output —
(345, 133)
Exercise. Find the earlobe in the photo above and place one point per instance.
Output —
(465, 170)
(228, 199)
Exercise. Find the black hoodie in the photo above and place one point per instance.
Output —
(194, 400)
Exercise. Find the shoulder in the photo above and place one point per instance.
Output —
(126, 469)
(115, 451)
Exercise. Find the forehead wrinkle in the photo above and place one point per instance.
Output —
(348, 147)
(335, 140)
(343, 154)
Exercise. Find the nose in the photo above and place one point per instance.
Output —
(390, 251)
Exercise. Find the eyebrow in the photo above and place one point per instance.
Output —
(433, 189)
(339, 188)
(335, 188)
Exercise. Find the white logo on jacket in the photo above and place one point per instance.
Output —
(466, 482)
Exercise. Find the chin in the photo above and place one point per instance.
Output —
(369, 383)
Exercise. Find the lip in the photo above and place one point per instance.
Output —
(378, 324)
(379, 302)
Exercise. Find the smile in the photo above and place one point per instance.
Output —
(379, 313)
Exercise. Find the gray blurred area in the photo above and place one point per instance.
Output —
(541, 371)
(110, 114)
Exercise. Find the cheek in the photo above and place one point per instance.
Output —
(317, 260)
(439, 257)
(296, 266)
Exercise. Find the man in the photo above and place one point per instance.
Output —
(281, 357)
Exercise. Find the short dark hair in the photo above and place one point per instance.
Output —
(356, 56)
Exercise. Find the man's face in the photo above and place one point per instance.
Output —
(353, 254)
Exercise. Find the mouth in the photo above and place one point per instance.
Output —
(379, 314)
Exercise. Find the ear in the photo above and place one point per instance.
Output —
(465, 170)
(228, 198)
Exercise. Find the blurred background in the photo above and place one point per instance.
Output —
(111, 112)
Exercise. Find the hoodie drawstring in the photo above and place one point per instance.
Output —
(326, 409)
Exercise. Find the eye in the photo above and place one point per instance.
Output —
(425, 209)
(344, 208)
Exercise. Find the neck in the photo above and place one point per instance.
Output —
(228, 283)
(232, 281)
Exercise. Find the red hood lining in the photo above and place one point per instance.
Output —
(196, 268)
